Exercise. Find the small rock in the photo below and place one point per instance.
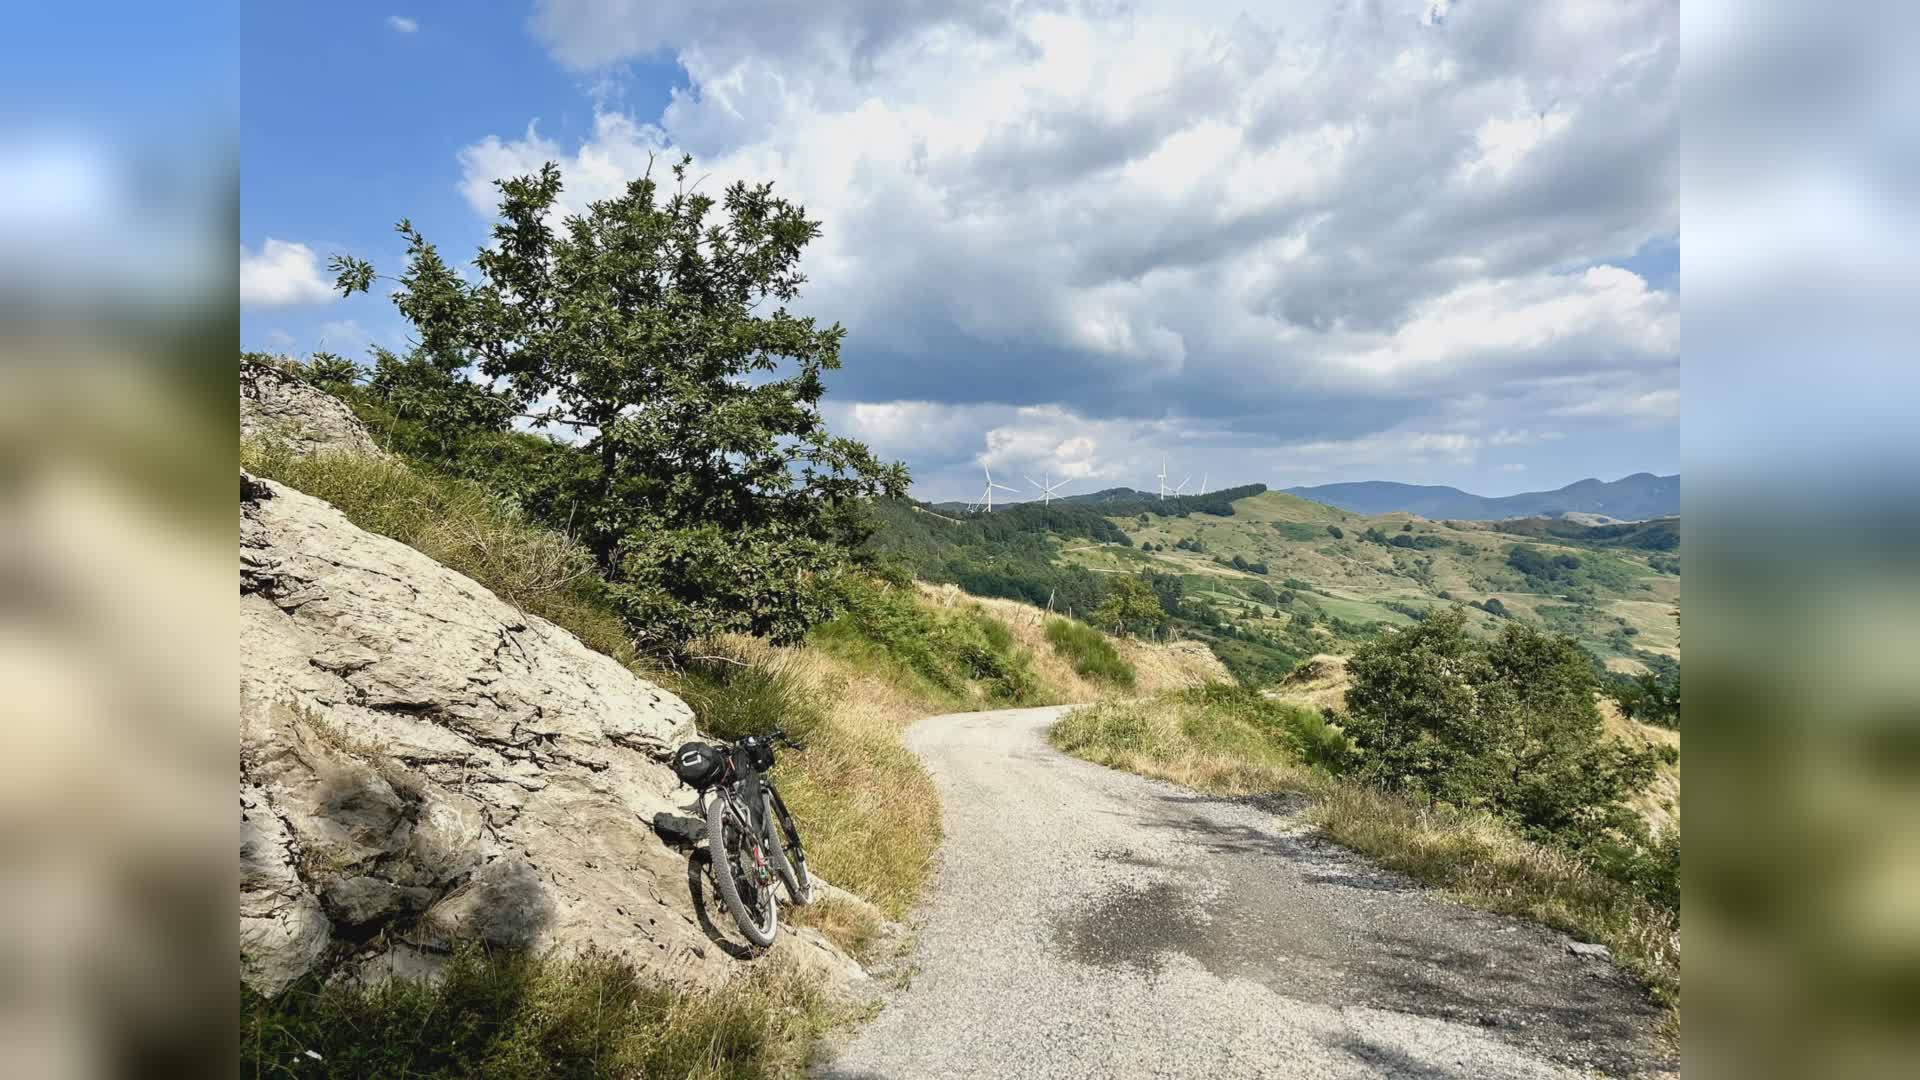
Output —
(1589, 951)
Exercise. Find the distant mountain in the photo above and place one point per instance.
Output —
(1639, 497)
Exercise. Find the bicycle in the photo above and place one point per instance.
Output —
(742, 808)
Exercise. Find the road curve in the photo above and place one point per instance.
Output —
(1090, 923)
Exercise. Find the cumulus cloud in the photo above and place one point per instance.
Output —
(282, 274)
(1315, 225)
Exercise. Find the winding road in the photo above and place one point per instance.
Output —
(1091, 923)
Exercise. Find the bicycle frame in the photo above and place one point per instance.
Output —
(749, 806)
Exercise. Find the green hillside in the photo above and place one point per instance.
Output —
(1268, 578)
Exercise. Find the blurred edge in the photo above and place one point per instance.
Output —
(1802, 208)
(118, 322)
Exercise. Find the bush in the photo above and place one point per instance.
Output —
(1508, 726)
(1318, 742)
(1089, 652)
(1132, 605)
(1336, 532)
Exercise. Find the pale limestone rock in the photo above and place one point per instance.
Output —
(421, 764)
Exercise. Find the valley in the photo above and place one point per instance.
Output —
(1269, 579)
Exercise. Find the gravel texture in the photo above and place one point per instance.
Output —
(1087, 922)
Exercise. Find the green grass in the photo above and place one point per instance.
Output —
(959, 657)
(1233, 742)
(1089, 652)
(502, 1014)
(734, 697)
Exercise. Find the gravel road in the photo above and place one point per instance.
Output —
(1086, 922)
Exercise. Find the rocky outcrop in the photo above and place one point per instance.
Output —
(422, 763)
(279, 406)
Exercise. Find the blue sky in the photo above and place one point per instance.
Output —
(1413, 241)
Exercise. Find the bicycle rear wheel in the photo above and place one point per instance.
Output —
(742, 872)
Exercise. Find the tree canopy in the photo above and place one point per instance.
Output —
(653, 329)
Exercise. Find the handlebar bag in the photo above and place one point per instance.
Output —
(698, 765)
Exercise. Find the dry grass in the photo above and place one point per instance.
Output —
(1660, 803)
(851, 924)
(1472, 857)
(523, 1015)
(1480, 861)
(463, 527)
(867, 809)
(1320, 682)
(1157, 666)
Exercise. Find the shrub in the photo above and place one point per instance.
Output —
(1336, 532)
(1317, 741)
(1508, 726)
(1131, 606)
(1089, 652)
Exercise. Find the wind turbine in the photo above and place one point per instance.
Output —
(1183, 485)
(1203, 483)
(1047, 490)
(1163, 478)
(986, 494)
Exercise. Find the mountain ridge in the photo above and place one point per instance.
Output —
(1639, 496)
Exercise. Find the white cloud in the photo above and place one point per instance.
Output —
(282, 274)
(1513, 466)
(401, 24)
(1325, 225)
(1522, 437)
(1636, 405)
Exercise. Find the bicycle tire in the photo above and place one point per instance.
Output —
(724, 860)
(790, 857)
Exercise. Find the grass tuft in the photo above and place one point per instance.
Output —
(500, 1014)
(1089, 652)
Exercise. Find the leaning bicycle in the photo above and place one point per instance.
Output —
(751, 838)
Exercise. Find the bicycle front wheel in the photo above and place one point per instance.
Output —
(742, 872)
(792, 864)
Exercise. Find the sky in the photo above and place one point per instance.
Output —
(1285, 243)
